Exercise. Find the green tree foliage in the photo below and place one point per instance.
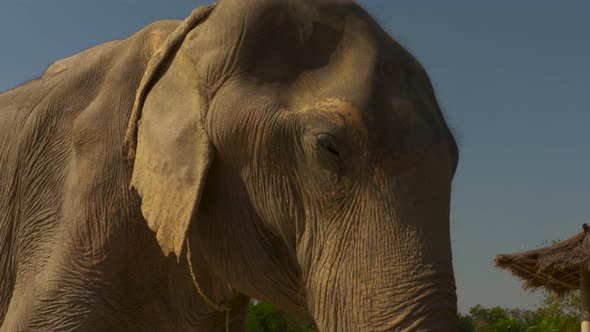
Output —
(556, 314)
(494, 319)
(466, 323)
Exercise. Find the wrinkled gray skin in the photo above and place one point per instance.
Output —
(298, 147)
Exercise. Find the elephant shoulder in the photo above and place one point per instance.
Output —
(146, 41)
(98, 130)
(79, 108)
(117, 72)
(60, 135)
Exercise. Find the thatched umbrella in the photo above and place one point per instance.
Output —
(560, 268)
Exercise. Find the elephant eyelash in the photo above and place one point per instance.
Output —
(329, 156)
(333, 150)
(326, 142)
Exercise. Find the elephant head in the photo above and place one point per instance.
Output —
(303, 151)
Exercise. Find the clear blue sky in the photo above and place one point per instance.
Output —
(511, 76)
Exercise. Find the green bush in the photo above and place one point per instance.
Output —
(263, 317)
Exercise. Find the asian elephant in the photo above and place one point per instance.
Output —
(292, 148)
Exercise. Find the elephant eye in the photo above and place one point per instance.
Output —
(327, 142)
(329, 155)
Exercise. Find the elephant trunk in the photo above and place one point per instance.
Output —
(390, 269)
(385, 293)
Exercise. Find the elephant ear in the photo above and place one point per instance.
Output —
(166, 140)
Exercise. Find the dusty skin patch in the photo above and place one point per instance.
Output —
(156, 40)
(342, 112)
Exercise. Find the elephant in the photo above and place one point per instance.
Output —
(286, 151)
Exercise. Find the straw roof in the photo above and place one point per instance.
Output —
(555, 268)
